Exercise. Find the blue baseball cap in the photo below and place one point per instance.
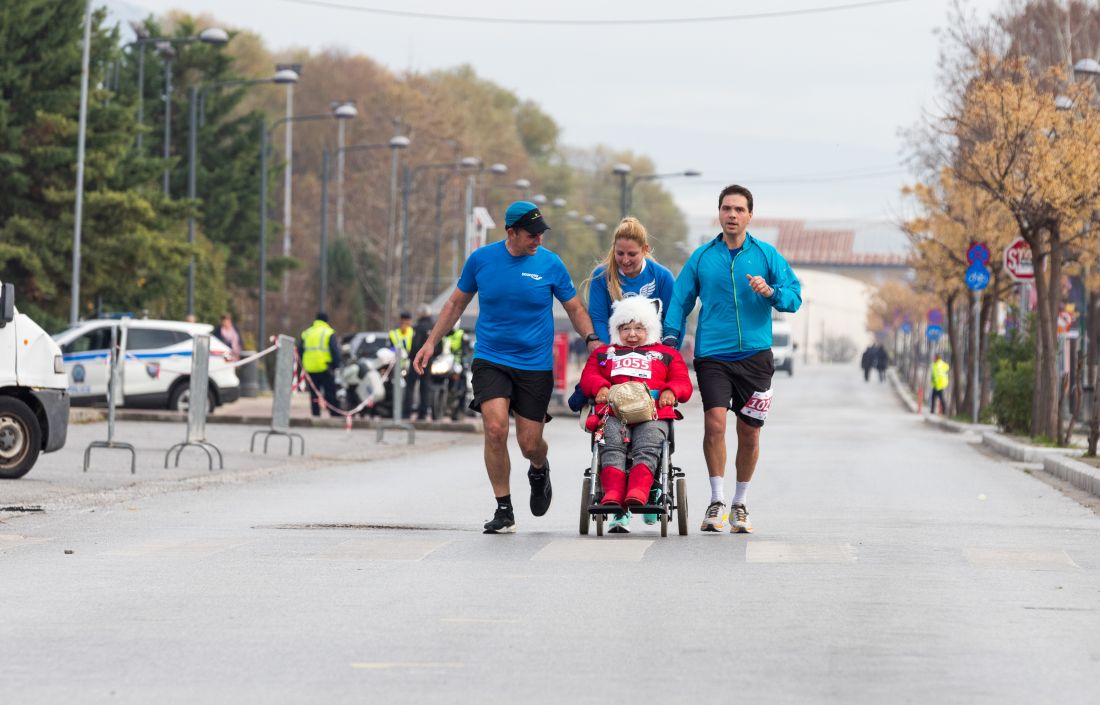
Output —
(525, 215)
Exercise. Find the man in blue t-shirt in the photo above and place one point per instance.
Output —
(516, 281)
(739, 281)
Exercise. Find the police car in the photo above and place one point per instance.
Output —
(155, 366)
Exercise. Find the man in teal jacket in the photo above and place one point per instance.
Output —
(739, 280)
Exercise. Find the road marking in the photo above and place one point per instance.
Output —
(1018, 558)
(388, 665)
(592, 550)
(194, 548)
(777, 552)
(379, 549)
(14, 540)
(477, 620)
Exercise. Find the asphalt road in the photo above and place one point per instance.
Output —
(891, 563)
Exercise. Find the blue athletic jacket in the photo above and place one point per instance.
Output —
(733, 317)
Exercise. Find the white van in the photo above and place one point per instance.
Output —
(155, 367)
(34, 405)
(782, 346)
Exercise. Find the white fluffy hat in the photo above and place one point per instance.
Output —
(636, 309)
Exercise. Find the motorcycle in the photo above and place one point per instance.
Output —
(362, 379)
(451, 384)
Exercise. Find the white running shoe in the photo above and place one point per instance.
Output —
(739, 520)
(716, 517)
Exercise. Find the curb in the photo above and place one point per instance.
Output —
(472, 426)
(1080, 475)
(1024, 453)
(953, 426)
(902, 391)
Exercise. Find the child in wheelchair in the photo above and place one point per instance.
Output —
(635, 382)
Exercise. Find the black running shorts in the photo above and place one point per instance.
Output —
(528, 390)
(744, 387)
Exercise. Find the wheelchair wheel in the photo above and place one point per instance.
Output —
(682, 506)
(586, 491)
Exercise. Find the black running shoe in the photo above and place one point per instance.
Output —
(541, 492)
(503, 522)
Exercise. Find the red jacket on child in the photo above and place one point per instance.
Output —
(657, 366)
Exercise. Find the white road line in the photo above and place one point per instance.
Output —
(777, 552)
(1018, 558)
(389, 665)
(592, 550)
(16, 540)
(193, 548)
(378, 549)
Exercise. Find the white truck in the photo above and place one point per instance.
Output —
(782, 346)
(34, 400)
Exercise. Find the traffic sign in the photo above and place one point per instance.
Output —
(977, 252)
(977, 277)
(933, 333)
(1065, 320)
(906, 327)
(1017, 259)
(935, 316)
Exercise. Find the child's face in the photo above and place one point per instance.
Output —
(632, 334)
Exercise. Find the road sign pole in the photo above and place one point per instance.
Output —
(1025, 301)
(975, 386)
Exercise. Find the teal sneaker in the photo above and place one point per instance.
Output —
(619, 524)
(654, 498)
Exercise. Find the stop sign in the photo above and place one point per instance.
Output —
(1018, 261)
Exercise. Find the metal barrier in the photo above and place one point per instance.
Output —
(280, 399)
(114, 389)
(400, 389)
(198, 405)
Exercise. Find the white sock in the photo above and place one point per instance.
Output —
(716, 490)
(740, 492)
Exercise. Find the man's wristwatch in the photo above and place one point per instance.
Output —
(591, 338)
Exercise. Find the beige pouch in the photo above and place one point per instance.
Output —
(632, 402)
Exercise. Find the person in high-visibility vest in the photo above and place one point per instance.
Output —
(940, 380)
(320, 353)
(455, 341)
(403, 334)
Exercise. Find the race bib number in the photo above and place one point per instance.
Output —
(757, 407)
(632, 365)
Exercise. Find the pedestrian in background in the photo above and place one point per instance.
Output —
(319, 351)
(229, 334)
(867, 362)
(414, 379)
(882, 361)
(940, 380)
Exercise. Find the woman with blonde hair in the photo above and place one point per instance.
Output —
(628, 270)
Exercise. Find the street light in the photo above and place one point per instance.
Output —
(540, 199)
(197, 93)
(465, 164)
(626, 193)
(348, 105)
(265, 136)
(395, 144)
(212, 35)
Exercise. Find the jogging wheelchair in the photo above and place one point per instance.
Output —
(669, 478)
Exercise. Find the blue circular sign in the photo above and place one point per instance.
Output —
(906, 327)
(977, 277)
(933, 333)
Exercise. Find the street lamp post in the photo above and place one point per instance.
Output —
(212, 35)
(197, 93)
(265, 137)
(396, 144)
(622, 171)
(410, 174)
(167, 53)
(626, 187)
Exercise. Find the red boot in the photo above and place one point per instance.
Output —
(614, 485)
(640, 480)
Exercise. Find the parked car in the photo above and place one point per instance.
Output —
(783, 347)
(155, 365)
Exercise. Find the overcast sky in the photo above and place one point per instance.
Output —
(804, 109)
